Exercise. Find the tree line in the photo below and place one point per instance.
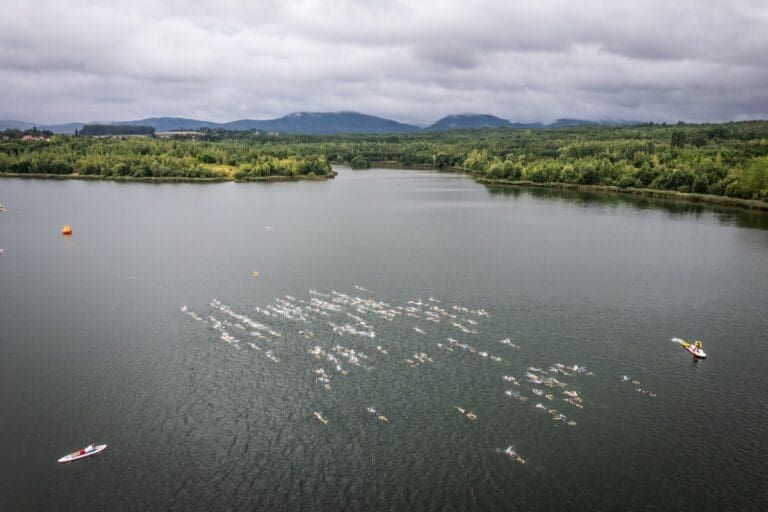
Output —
(729, 159)
(100, 130)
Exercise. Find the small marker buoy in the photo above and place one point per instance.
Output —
(255, 274)
(66, 230)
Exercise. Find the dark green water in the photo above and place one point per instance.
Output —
(94, 347)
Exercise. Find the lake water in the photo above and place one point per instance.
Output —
(216, 413)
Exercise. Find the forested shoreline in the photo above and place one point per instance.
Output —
(147, 159)
(727, 160)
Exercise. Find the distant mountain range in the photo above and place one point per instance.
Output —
(318, 123)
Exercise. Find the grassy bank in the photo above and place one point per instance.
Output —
(302, 177)
(752, 204)
(166, 179)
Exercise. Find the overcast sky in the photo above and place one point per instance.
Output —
(415, 61)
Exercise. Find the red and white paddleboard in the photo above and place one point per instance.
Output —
(85, 452)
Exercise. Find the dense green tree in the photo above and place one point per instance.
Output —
(678, 139)
(360, 162)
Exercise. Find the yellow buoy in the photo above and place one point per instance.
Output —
(255, 274)
(66, 230)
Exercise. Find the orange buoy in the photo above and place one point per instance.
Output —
(66, 230)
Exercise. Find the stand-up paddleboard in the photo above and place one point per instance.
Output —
(695, 351)
(85, 452)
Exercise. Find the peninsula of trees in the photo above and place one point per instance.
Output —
(179, 159)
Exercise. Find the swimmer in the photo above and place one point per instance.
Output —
(512, 454)
(572, 402)
(320, 417)
(472, 416)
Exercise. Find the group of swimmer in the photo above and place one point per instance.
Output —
(325, 307)
(356, 313)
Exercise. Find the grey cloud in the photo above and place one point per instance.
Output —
(413, 61)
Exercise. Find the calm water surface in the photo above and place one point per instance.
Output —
(94, 347)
